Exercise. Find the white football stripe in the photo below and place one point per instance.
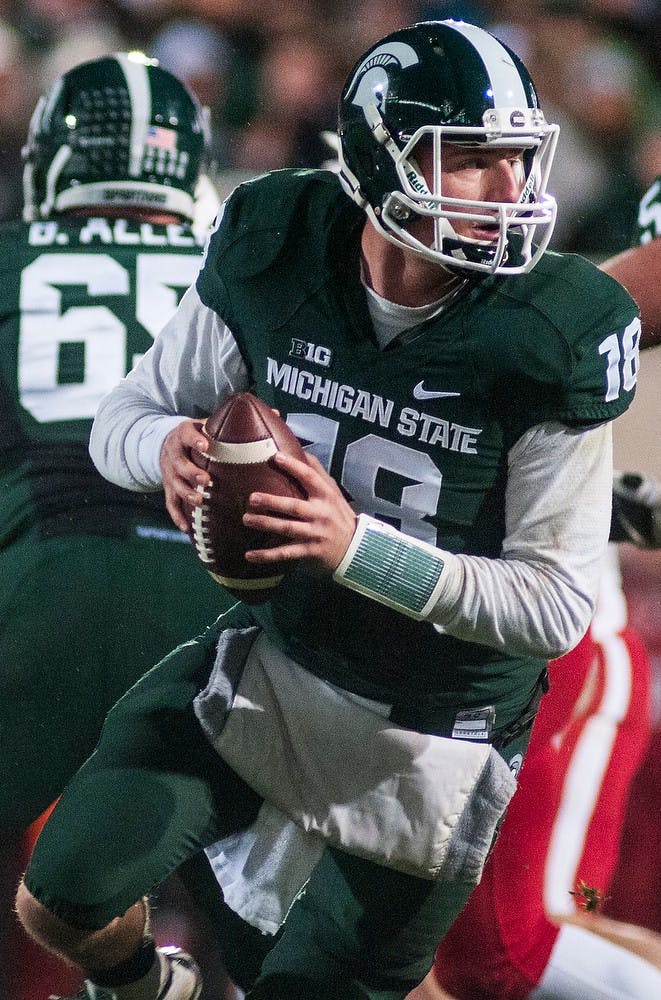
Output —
(140, 94)
(246, 453)
(505, 80)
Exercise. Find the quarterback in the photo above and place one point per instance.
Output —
(453, 384)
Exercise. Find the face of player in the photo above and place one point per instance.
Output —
(473, 174)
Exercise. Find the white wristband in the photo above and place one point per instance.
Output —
(392, 568)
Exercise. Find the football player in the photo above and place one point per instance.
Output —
(96, 584)
(454, 384)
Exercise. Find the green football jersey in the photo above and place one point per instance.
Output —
(418, 433)
(80, 301)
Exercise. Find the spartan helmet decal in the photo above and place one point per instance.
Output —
(442, 82)
(370, 79)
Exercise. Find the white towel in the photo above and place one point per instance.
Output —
(262, 870)
(333, 770)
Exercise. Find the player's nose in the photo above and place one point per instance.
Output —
(504, 181)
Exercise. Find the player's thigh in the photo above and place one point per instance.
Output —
(81, 619)
(53, 675)
(153, 793)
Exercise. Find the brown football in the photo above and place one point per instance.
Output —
(244, 434)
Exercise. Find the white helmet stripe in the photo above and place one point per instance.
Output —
(139, 90)
(56, 167)
(508, 91)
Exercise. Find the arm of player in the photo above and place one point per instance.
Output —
(142, 431)
(638, 269)
(536, 599)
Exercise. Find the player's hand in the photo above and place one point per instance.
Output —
(181, 477)
(318, 529)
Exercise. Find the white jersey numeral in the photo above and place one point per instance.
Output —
(46, 327)
(622, 360)
(364, 460)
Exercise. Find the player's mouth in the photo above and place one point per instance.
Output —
(486, 231)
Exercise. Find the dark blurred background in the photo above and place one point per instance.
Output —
(270, 73)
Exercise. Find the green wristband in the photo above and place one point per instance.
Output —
(391, 568)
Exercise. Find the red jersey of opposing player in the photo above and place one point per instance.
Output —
(562, 827)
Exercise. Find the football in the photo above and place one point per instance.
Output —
(244, 434)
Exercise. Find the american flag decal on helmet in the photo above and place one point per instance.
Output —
(161, 138)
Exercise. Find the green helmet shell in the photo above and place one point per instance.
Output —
(116, 131)
(428, 74)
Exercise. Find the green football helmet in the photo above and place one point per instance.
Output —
(118, 131)
(441, 82)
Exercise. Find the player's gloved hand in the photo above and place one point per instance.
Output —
(636, 515)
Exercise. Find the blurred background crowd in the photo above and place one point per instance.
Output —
(270, 72)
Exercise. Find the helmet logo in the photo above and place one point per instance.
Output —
(370, 81)
(517, 119)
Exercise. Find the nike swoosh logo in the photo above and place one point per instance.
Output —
(420, 392)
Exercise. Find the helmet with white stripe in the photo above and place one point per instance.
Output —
(440, 82)
(115, 132)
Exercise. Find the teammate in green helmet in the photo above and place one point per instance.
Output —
(115, 133)
(96, 583)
